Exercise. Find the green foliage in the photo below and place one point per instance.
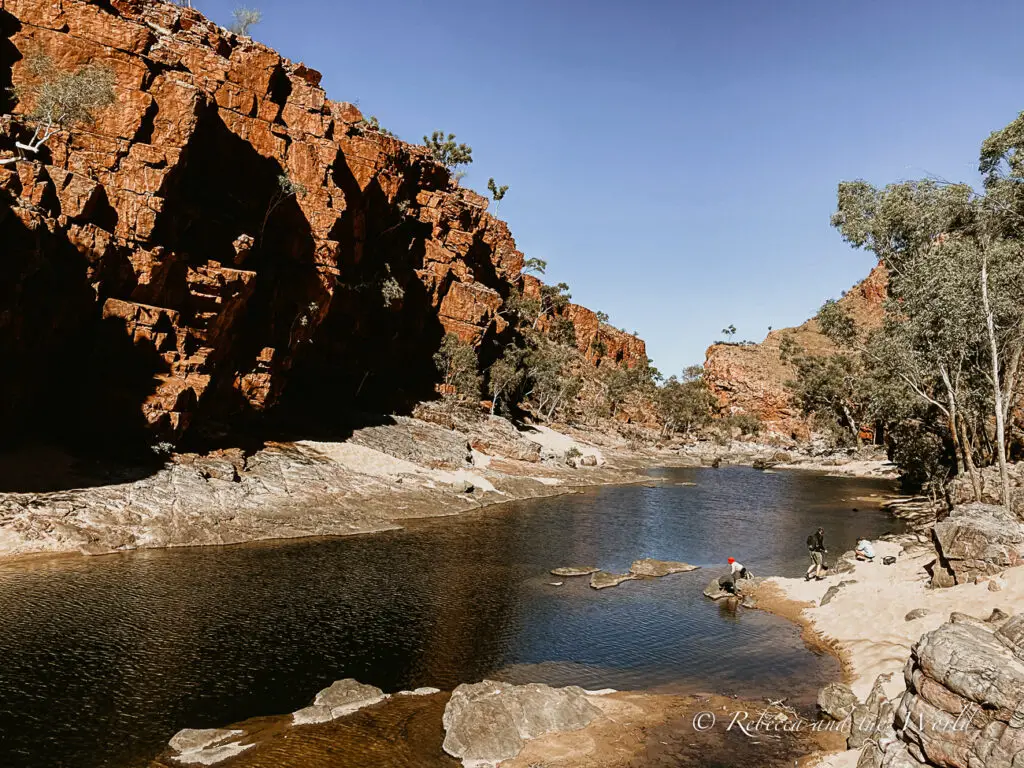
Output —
(602, 317)
(373, 124)
(830, 387)
(456, 361)
(729, 331)
(836, 323)
(685, 402)
(953, 337)
(629, 385)
(245, 19)
(504, 378)
(60, 100)
(391, 291)
(550, 379)
(563, 331)
(498, 193)
(445, 151)
(534, 265)
(747, 423)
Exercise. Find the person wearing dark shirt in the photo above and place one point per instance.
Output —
(816, 549)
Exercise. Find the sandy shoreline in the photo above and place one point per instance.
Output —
(865, 623)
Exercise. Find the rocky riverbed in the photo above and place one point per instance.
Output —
(398, 468)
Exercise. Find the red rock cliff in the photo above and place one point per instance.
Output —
(752, 378)
(154, 276)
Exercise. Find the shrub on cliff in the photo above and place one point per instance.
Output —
(245, 19)
(456, 361)
(497, 193)
(59, 100)
(445, 151)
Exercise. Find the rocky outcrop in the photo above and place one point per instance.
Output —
(341, 698)
(751, 378)
(161, 278)
(837, 701)
(488, 722)
(965, 697)
(976, 541)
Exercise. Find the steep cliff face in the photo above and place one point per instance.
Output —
(752, 378)
(157, 280)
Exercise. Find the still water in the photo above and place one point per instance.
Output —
(103, 659)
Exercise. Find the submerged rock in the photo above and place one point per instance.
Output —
(488, 722)
(604, 579)
(342, 698)
(714, 590)
(206, 746)
(655, 568)
(575, 570)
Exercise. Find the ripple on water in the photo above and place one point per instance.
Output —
(105, 658)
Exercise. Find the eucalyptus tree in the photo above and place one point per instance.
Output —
(955, 307)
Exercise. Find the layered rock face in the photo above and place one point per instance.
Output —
(976, 541)
(752, 378)
(964, 704)
(225, 238)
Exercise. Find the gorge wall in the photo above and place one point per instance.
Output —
(751, 378)
(155, 280)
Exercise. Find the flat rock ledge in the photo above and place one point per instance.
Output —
(488, 722)
(341, 698)
(656, 568)
(206, 746)
(647, 568)
(604, 579)
(575, 570)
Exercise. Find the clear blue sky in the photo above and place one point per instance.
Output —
(676, 162)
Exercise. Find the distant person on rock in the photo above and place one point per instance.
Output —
(864, 550)
(738, 570)
(816, 549)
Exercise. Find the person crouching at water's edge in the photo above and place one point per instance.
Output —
(738, 570)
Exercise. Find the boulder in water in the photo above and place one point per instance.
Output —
(490, 721)
(604, 579)
(714, 590)
(342, 698)
(575, 570)
(206, 746)
(655, 568)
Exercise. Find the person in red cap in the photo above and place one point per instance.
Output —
(738, 570)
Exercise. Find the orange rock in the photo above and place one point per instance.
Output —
(176, 185)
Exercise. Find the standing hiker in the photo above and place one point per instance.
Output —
(816, 549)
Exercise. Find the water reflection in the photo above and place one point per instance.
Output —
(105, 658)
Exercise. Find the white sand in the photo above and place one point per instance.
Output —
(866, 619)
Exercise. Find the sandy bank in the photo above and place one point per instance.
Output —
(866, 621)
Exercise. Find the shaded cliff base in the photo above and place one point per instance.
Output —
(445, 462)
(392, 469)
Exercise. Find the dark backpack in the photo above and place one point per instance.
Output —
(810, 542)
